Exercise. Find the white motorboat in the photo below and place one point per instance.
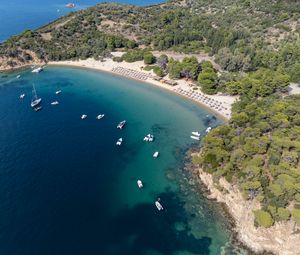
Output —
(149, 138)
(119, 142)
(208, 130)
(100, 116)
(55, 103)
(35, 100)
(156, 154)
(195, 133)
(83, 116)
(57, 92)
(38, 108)
(22, 96)
(140, 184)
(37, 70)
(18, 76)
(158, 205)
(195, 137)
(121, 124)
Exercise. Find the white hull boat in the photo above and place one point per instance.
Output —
(156, 154)
(119, 142)
(22, 96)
(158, 205)
(35, 100)
(195, 133)
(83, 116)
(55, 103)
(18, 76)
(140, 184)
(37, 70)
(208, 130)
(149, 138)
(38, 108)
(195, 137)
(57, 92)
(100, 116)
(121, 124)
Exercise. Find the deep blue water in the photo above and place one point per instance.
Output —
(66, 188)
(19, 15)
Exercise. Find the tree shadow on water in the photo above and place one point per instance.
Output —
(143, 228)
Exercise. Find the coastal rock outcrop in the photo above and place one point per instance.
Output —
(283, 238)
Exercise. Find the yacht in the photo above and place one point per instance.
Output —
(83, 116)
(121, 124)
(37, 70)
(35, 100)
(140, 184)
(195, 137)
(57, 92)
(55, 103)
(38, 108)
(195, 133)
(149, 138)
(156, 154)
(100, 116)
(22, 96)
(119, 142)
(70, 5)
(158, 205)
(208, 130)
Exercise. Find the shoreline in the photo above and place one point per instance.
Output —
(135, 70)
(280, 239)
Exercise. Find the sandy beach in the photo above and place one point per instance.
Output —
(219, 104)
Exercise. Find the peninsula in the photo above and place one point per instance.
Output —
(239, 58)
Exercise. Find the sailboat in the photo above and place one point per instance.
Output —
(35, 100)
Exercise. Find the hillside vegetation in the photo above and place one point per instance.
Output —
(255, 42)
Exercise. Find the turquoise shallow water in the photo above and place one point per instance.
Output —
(66, 188)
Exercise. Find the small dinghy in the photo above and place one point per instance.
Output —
(100, 116)
(158, 205)
(57, 92)
(83, 116)
(208, 130)
(18, 76)
(22, 96)
(140, 184)
(37, 70)
(55, 103)
(119, 142)
(38, 108)
(195, 137)
(195, 133)
(156, 154)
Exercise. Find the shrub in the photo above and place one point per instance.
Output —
(263, 218)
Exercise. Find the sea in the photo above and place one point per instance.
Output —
(66, 188)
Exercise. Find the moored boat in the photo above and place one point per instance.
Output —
(57, 92)
(195, 133)
(121, 124)
(55, 103)
(149, 138)
(18, 76)
(140, 184)
(119, 142)
(156, 154)
(195, 137)
(83, 116)
(100, 116)
(158, 205)
(208, 130)
(35, 100)
(38, 108)
(22, 96)
(37, 70)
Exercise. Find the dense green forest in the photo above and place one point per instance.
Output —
(243, 35)
(255, 42)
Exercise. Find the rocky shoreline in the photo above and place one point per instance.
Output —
(280, 239)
